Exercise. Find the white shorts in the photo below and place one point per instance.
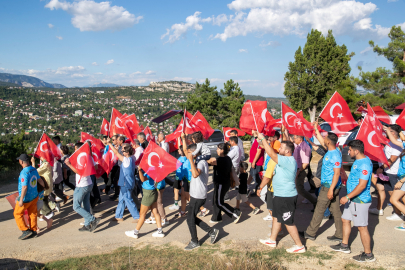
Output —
(242, 197)
(356, 212)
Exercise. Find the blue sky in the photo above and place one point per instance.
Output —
(77, 43)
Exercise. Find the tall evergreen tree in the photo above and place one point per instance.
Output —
(383, 80)
(205, 98)
(231, 104)
(317, 70)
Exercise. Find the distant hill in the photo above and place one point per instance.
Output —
(28, 81)
(102, 85)
(272, 102)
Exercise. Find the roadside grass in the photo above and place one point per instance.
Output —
(172, 257)
(353, 266)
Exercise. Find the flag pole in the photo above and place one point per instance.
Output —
(254, 117)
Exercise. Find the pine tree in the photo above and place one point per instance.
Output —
(231, 104)
(317, 70)
(383, 80)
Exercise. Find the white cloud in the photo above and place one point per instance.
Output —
(270, 43)
(70, 69)
(243, 50)
(367, 49)
(150, 72)
(299, 16)
(59, 37)
(220, 19)
(50, 25)
(109, 62)
(136, 73)
(180, 29)
(390, 1)
(246, 81)
(88, 15)
(98, 73)
(94, 64)
(184, 79)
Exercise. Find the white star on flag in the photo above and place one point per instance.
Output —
(340, 115)
(299, 123)
(160, 165)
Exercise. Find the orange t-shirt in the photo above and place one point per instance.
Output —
(276, 145)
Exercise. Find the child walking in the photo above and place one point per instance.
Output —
(242, 191)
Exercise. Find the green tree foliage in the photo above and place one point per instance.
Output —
(205, 99)
(10, 150)
(231, 104)
(382, 80)
(316, 72)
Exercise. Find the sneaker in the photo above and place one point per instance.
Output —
(204, 213)
(131, 234)
(82, 223)
(57, 207)
(239, 214)
(306, 236)
(192, 246)
(339, 247)
(334, 238)
(181, 214)
(296, 249)
(305, 201)
(174, 207)
(85, 228)
(158, 234)
(257, 210)
(41, 219)
(57, 199)
(375, 211)
(400, 228)
(94, 223)
(165, 222)
(34, 235)
(25, 234)
(214, 235)
(268, 242)
(268, 218)
(364, 258)
(215, 222)
(50, 215)
(394, 217)
(150, 221)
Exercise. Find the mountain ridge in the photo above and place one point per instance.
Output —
(27, 81)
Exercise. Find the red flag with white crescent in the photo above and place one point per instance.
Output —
(105, 127)
(98, 159)
(157, 163)
(177, 133)
(116, 123)
(227, 132)
(202, 124)
(47, 149)
(337, 113)
(148, 134)
(295, 123)
(253, 116)
(97, 143)
(369, 135)
(270, 125)
(401, 120)
(82, 161)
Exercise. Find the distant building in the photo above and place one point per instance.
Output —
(78, 113)
(100, 92)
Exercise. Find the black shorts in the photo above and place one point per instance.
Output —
(389, 185)
(269, 200)
(186, 185)
(177, 184)
(284, 209)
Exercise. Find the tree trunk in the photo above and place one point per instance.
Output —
(312, 113)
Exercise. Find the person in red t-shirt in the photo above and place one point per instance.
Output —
(256, 158)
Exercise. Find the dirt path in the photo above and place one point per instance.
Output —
(64, 240)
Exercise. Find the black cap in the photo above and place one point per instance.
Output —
(23, 157)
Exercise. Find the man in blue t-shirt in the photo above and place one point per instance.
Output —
(357, 202)
(285, 193)
(329, 191)
(27, 198)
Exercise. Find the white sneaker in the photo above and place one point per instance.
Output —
(131, 234)
(375, 211)
(305, 201)
(57, 207)
(49, 216)
(81, 223)
(150, 221)
(41, 219)
(394, 217)
(174, 207)
(296, 249)
(58, 199)
(268, 242)
(165, 222)
(215, 222)
(158, 234)
(268, 218)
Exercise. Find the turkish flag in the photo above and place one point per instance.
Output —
(190, 126)
(132, 124)
(401, 120)
(337, 114)
(177, 133)
(47, 149)
(148, 134)
(295, 123)
(109, 159)
(173, 146)
(374, 120)
(369, 135)
(82, 161)
(300, 113)
(361, 110)
(202, 124)
(270, 125)
(157, 163)
(253, 116)
(105, 127)
(227, 132)
(97, 143)
(381, 114)
(116, 123)
(98, 159)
